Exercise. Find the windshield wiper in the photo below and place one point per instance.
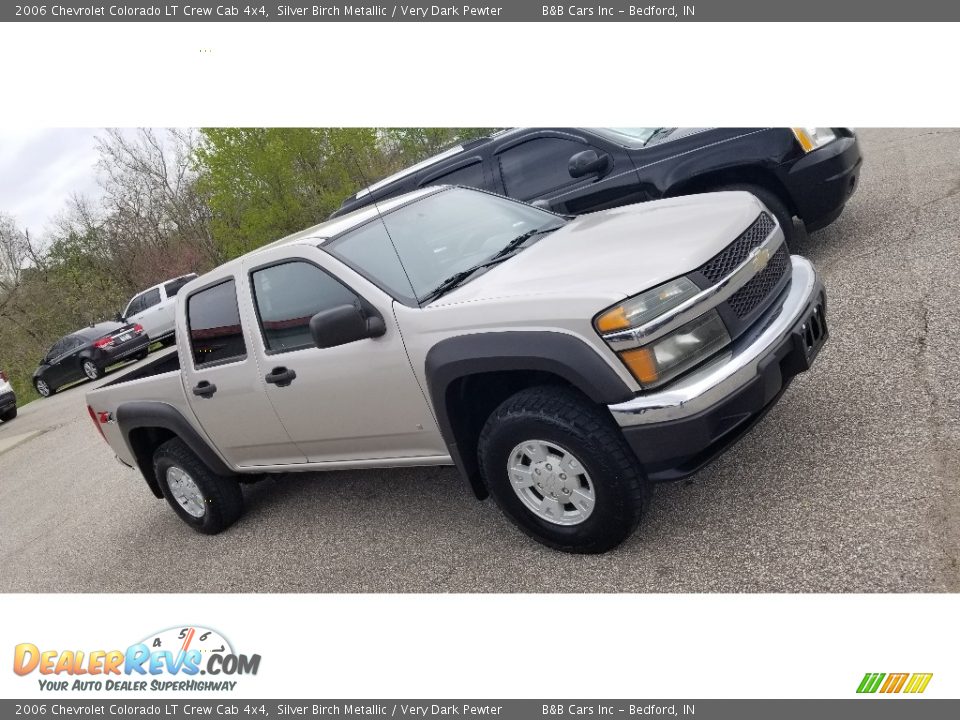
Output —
(505, 253)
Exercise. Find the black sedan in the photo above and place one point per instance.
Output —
(87, 353)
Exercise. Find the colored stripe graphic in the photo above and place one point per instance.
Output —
(894, 683)
(918, 682)
(870, 682)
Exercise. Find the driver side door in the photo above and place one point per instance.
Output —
(359, 401)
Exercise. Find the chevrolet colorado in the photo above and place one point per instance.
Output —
(562, 364)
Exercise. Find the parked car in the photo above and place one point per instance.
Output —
(153, 309)
(563, 365)
(809, 173)
(8, 399)
(87, 353)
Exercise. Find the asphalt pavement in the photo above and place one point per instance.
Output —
(850, 484)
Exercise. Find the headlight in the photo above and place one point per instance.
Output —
(658, 362)
(646, 306)
(813, 138)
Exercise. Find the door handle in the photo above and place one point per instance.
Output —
(280, 376)
(204, 389)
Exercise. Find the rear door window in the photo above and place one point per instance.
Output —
(287, 296)
(151, 298)
(213, 319)
(470, 176)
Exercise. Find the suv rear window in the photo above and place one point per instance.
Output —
(214, 322)
(173, 287)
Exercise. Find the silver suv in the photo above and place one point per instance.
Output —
(563, 365)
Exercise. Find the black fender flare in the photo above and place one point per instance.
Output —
(154, 414)
(565, 356)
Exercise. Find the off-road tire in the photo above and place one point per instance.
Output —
(564, 416)
(224, 500)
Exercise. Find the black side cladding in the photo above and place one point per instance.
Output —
(553, 353)
(158, 415)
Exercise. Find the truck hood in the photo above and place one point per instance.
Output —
(617, 253)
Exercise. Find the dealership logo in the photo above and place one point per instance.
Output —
(912, 683)
(172, 659)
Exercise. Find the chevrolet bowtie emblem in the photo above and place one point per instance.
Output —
(761, 257)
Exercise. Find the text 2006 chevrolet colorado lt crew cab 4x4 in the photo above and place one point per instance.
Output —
(562, 365)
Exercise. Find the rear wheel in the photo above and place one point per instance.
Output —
(43, 387)
(207, 502)
(9, 415)
(142, 355)
(561, 471)
(775, 205)
(91, 370)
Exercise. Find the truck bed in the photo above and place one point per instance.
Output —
(157, 380)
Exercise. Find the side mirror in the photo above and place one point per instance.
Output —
(344, 324)
(119, 318)
(589, 162)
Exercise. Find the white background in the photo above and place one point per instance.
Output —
(120, 74)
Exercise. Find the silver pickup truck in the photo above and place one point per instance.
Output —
(562, 364)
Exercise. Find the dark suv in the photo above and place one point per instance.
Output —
(808, 173)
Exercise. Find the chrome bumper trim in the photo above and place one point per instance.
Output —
(732, 369)
(701, 302)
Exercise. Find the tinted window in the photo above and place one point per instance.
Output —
(214, 322)
(471, 176)
(538, 166)
(151, 298)
(57, 348)
(287, 296)
(173, 287)
(135, 306)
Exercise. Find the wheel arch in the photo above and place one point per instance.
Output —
(147, 425)
(468, 376)
(734, 175)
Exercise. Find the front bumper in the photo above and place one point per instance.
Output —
(677, 430)
(822, 181)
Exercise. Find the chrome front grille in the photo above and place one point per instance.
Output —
(746, 299)
(728, 259)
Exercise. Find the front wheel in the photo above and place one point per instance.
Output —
(207, 502)
(44, 388)
(561, 471)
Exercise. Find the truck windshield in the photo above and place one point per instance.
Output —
(439, 237)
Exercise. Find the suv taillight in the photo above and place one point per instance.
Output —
(138, 328)
(102, 342)
(96, 422)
